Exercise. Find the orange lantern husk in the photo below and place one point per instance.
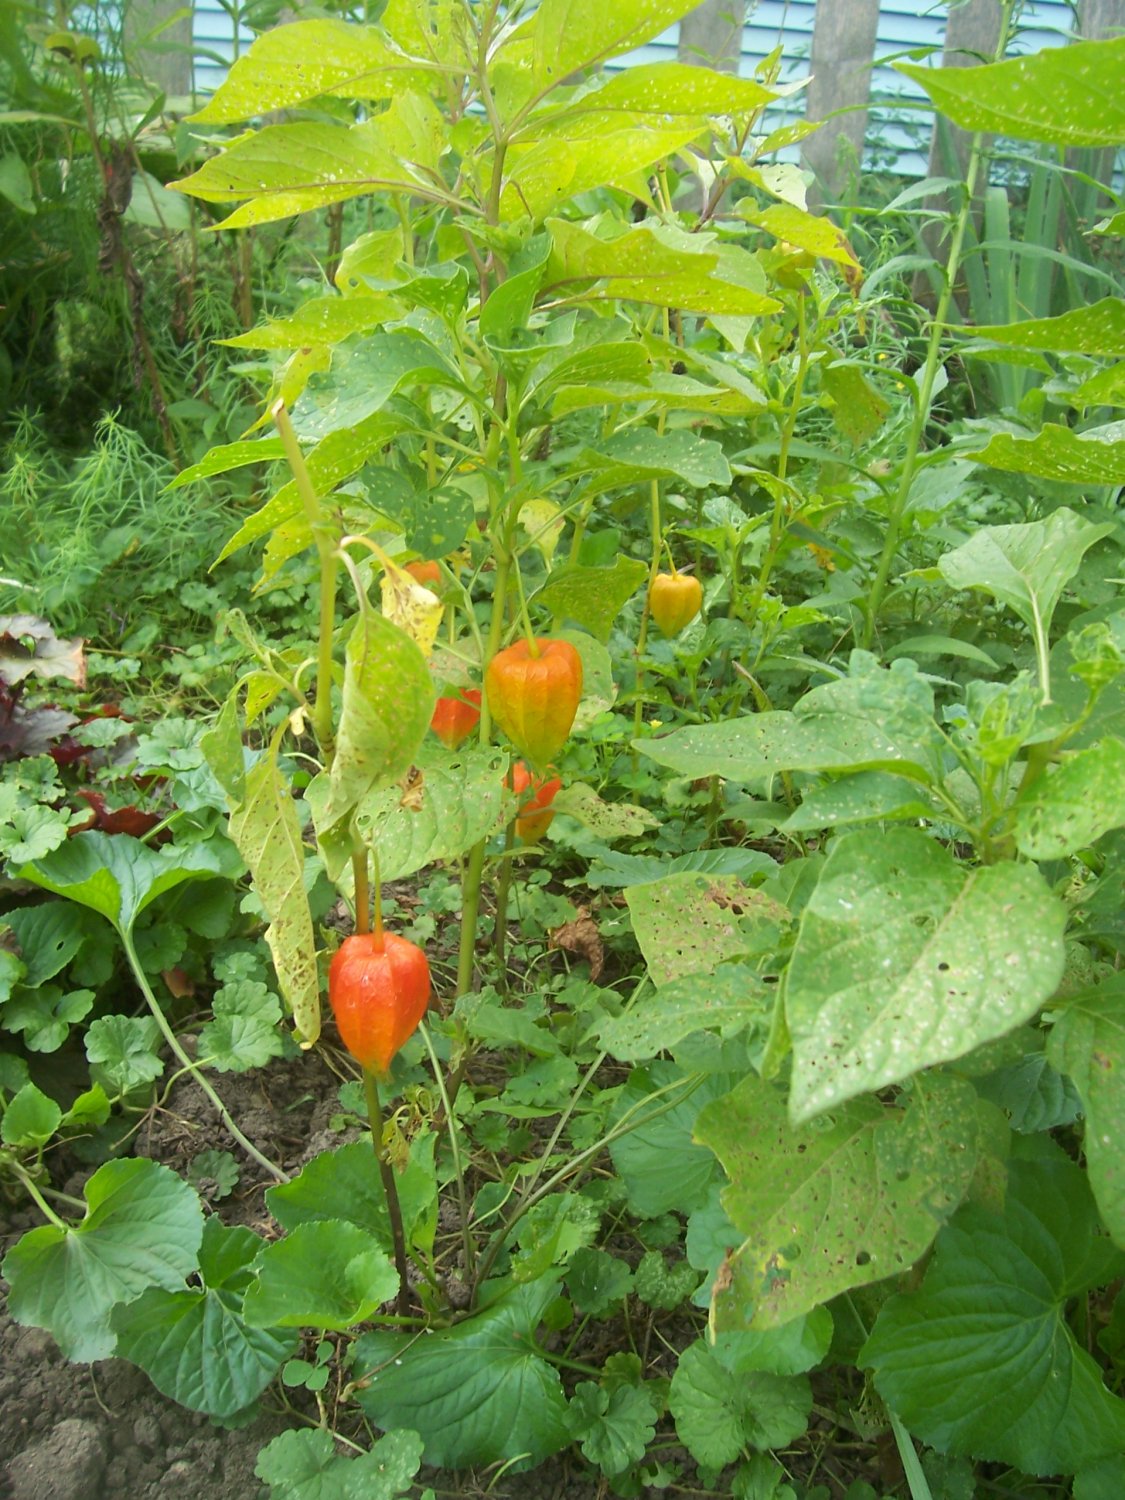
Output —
(533, 695)
(378, 988)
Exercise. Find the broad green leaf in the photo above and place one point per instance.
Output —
(689, 923)
(303, 1464)
(324, 1274)
(858, 409)
(728, 1000)
(1074, 805)
(45, 1015)
(1087, 1043)
(1032, 1094)
(616, 869)
(1066, 96)
(30, 1118)
(345, 1184)
(807, 231)
(324, 320)
(766, 744)
(905, 959)
(643, 455)
(49, 935)
(228, 456)
(614, 1428)
(981, 1361)
(592, 597)
(656, 1160)
(673, 88)
(861, 798)
(388, 702)
(477, 1393)
(292, 64)
(1097, 329)
(291, 169)
(267, 830)
(463, 801)
(194, 1345)
(662, 266)
(597, 1281)
(1096, 456)
(363, 378)
(143, 1228)
(1104, 1480)
(118, 876)
(573, 34)
(718, 1415)
(550, 1232)
(606, 820)
(663, 1285)
(543, 175)
(848, 1200)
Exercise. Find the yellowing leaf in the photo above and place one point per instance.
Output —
(543, 523)
(410, 605)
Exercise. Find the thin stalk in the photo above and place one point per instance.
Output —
(467, 1245)
(500, 934)
(329, 564)
(37, 1197)
(912, 1468)
(646, 608)
(931, 363)
(362, 885)
(788, 428)
(192, 1067)
(390, 1187)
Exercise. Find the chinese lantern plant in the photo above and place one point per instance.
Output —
(535, 796)
(455, 719)
(379, 988)
(674, 601)
(534, 688)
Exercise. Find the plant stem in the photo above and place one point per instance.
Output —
(915, 1477)
(41, 1203)
(191, 1067)
(467, 1245)
(500, 933)
(362, 885)
(326, 550)
(930, 364)
(390, 1187)
(646, 610)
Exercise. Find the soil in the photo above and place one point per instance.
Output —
(102, 1431)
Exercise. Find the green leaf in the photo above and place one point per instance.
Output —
(244, 1032)
(660, 1166)
(717, 1416)
(616, 869)
(905, 959)
(659, 265)
(862, 798)
(614, 1428)
(672, 88)
(327, 1274)
(228, 456)
(1032, 1094)
(303, 1465)
(49, 936)
(1066, 96)
(478, 1393)
(293, 64)
(592, 597)
(850, 1199)
(661, 1285)
(1104, 1480)
(1072, 807)
(118, 876)
(143, 1228)
(388, 702)
(597, 1281)
(267, 831)
(1093, 457)
(30, 1119)
(363, 378)
(1087, 1043)
(45, 1016)
(323, 321)
(125, 1050)
(345, 1184)
(291, 169)
(1097, 329)
(550, 1232)
(787, 222)
(194, 1345)
(994, 1301)
(573, 34)
(606, 820)
(728, 1000)
(463, 801)
(688, 923)
(642, 454)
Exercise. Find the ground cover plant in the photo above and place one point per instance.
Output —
(697, 786)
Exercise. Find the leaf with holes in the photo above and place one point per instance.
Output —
(905, 959)
(1074, 805)
(846, 1200)
(688, 923)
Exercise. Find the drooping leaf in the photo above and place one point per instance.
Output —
(606, 820)
(143, 1228)
(1096, 456)
(1087, 1043)
(904, 959)
(848, 1200)
(994, 1300)
(267, 830)
(478, 1392)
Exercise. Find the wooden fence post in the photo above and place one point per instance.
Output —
(843, 48)
(711, 35)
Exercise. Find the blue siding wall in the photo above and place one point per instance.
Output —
(893, 134)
